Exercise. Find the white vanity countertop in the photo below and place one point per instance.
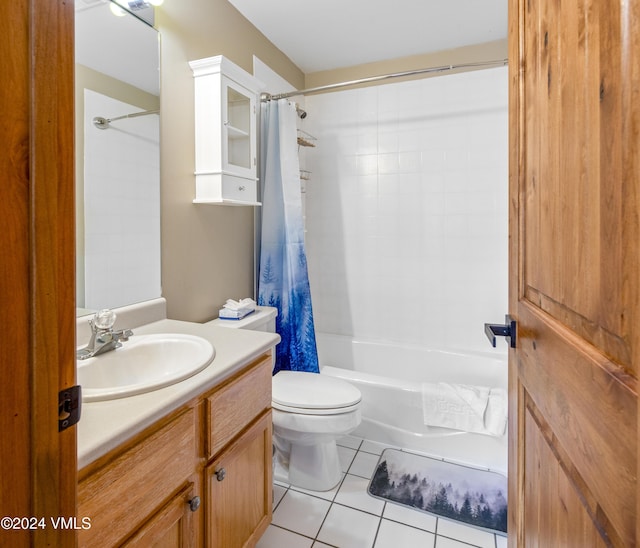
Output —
(105, 425)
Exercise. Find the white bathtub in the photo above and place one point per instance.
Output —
(390, 376)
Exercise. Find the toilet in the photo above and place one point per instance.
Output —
(310, 412)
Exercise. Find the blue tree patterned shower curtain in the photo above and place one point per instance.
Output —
(283, 280)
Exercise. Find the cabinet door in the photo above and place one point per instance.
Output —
(238, 131)
(120, 496)
(174, 526)
(239, 489)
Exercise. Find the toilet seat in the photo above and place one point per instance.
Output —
(313, 394)
(314, 411)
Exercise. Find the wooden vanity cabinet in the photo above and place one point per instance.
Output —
(199, 477)
(128, 491)
(238, 474)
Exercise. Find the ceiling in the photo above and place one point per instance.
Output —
(339, 33)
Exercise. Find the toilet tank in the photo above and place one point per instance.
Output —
(263, 319)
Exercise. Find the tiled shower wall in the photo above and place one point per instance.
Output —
(406, 210)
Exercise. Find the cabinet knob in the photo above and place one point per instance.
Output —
(194, 503)
(221, 474)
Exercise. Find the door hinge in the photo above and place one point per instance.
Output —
(69, 405)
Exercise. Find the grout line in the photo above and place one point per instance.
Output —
(358, 509)
(292, 531)
(281, 498)
(458, 540)
(316, 539)
(409, 525)
(375, 538)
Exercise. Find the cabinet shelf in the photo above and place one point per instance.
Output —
(227, 201)
(235, 133)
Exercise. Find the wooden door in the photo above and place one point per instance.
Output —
(574, 248)
(37, 294)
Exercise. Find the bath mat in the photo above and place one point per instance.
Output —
(447, 490)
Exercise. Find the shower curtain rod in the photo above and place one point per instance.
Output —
(103, 123)
(268, 97)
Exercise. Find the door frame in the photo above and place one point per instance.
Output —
(39, 473)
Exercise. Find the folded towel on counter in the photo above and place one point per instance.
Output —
(243, 304)
(464, 407)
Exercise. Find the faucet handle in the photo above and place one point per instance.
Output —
(104, 319)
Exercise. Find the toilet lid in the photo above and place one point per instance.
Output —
(303, 390)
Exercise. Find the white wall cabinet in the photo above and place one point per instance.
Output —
(226, 99)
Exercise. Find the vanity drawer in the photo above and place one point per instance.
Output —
(231, 408)
(122, 494)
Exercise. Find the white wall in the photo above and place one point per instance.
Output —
(121, 205)
(407, 210)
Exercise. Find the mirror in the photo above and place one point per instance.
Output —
(117, 164)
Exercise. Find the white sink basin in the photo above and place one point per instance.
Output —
(143, 363)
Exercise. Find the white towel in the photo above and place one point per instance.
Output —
(464, 407)
(243, 304)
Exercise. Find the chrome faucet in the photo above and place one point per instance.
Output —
(103, 337)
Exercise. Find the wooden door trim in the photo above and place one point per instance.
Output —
(516, 395)
(37, 239)
(52, 262)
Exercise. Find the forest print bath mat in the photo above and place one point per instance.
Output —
(475, 497)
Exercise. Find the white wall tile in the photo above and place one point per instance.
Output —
(409, 199)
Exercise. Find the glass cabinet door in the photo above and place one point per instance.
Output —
(239, 128)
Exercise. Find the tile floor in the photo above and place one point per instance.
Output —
(348, 517)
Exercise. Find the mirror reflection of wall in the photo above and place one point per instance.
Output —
(117, 171)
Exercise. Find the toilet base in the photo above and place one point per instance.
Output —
(315, 467)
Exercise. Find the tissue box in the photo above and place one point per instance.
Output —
(228, 314)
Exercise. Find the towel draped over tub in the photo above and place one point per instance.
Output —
(464, 407)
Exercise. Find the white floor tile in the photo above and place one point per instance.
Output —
(444, 542)
(415, 518)
(464, 533)
(373, 447)
(353, 493)
(348, 528)
(349, 441)
(301, 513)
(281, 483)
(395, 535)
(327, 495)
(364, 465)
(274, 537)
(346, 455)
(348, 517)
(278, 493)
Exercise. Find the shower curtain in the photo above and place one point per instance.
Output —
(283, 281)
